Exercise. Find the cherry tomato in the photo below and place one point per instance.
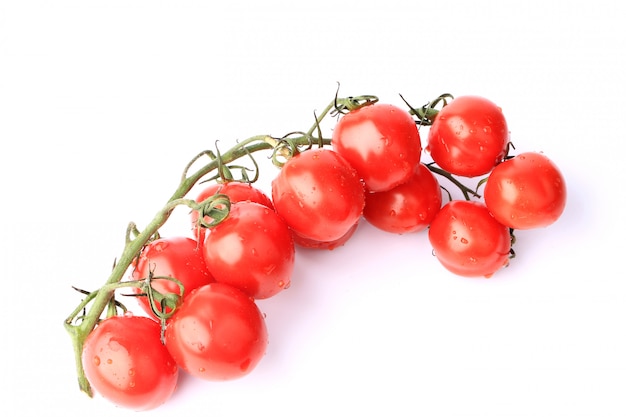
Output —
(468, 241)
(177, 257)
(526, 192)
(127, 364)
(218, 333)
(468, 137)
(381, 142)
(252, 249)
(409, 207)
(319, 195)
(316, 244)
(236, 192)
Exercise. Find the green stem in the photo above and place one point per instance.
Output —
(100, 299)
(464, 189)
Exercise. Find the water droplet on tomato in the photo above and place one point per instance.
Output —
(464, 241)
(392, 213)
(109, 361)
(245, 365)
(131, 384)
(96, 360)
(201, 369)
(131, 372)
(281, 284)
(487, 129)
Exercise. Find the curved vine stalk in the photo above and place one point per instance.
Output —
(94, 304)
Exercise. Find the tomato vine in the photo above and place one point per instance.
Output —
(79, 326)
(376, 153)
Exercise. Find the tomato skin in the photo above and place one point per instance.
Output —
(177, 257)
(219, 333)
(469, 136)
(409, 207)
(333, 244)
(319, 195)
(252, 249)
(526, 192)
(236, 192)
(127, 364)
(468, 241)
(381, 142)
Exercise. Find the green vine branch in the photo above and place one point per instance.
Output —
(83, 319)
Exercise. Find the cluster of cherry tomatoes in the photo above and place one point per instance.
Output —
(373, 170)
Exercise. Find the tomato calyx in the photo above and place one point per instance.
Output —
(163, 305)
(427, 113)
(349, 104)
(216, 208)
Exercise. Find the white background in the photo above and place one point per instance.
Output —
(103, 103)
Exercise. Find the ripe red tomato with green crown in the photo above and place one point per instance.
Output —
(526, 192)
(177, 257)
(127, 364)
(218, 333)
(236, 192)
(381, 142)
(468, 241)
(469, 136)
(319, 194)
(252, 249)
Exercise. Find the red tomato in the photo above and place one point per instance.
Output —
(177, 257)
(333, 244)
(236, 192)
(252, 249)
(381, 142)
(218, 333)
(127, 364)
(319, 195)
(468, 241)
(526, 192)
(409, 207)
(469, 136)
